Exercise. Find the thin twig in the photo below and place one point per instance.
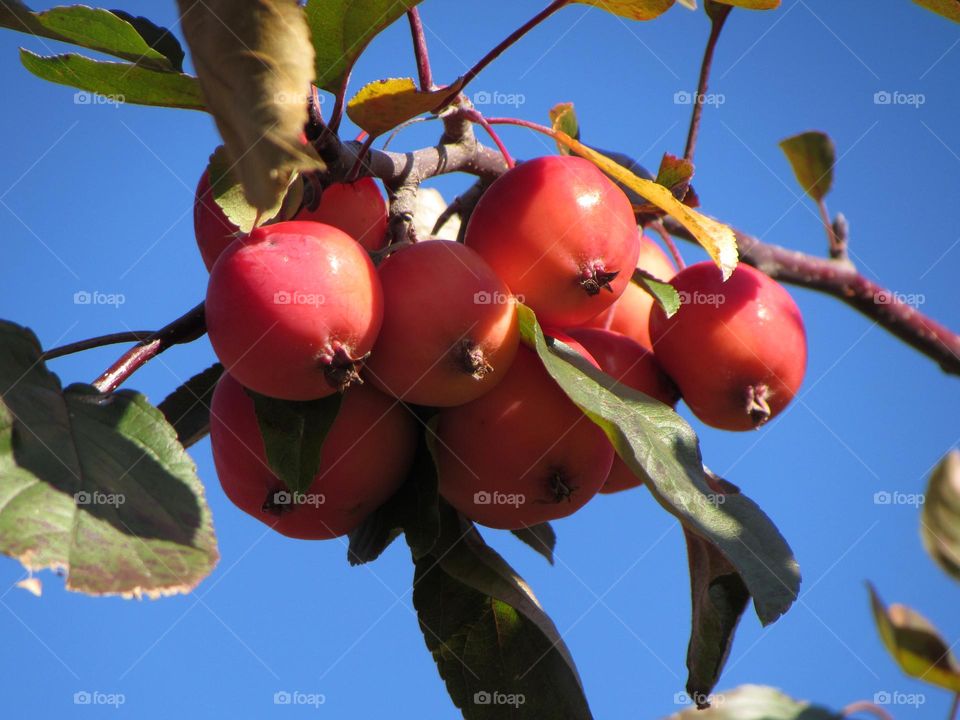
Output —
(862, 706)
(470, 74)
(477, 117)
(184, 329)
(954, 707)
(95, 342)
(420, 50)
(718, 17)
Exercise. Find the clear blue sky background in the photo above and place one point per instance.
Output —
(99, 198)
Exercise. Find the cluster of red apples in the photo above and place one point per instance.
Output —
(297, 310)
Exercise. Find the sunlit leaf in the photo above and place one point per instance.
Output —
(116, 82)
(664, 293)
(341, 31)
(91, 28)
(95, 484)
(254, 61)
(564, 119)
(752, 4)
(632, 9)
(940, 517)
(381, 105)
(915, 644)
(812, 156)
(228, 194)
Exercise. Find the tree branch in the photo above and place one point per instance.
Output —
(184, 329)
(841, 279)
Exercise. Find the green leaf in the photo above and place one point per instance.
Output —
(757, 702)
(341, 31)
(948, 8)
(229, 195)
(812, 156)
(187, 408)
(651, 438)
(413, 509)
(91, 28)
(632, 9)
(718, 599)
(496, 650)
(293, 434)
(664, 293)
(915, 644)
(564, 118)
(95, 483)
(120, 82)
(381, 105)
(540, 537)
(940, 517)
(157, 37)
(254, 61)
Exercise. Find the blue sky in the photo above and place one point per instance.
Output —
(99, 198)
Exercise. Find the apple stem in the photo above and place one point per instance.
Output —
(95, 342)
(717, 19)
(478, 118)
(420, 50)
(186, 328)
(671, 245)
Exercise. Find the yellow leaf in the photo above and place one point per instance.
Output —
(563, 118)
(948, 8)
(632, 9)
(381, 105)
(717, 239)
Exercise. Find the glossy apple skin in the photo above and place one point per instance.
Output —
(364, 460)
(632, 364)
(357, 208)
(727, 338)
(284, 300)
(214, 232)
(630, 314)
(549, 223)
(524, 446)
(450, 329)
